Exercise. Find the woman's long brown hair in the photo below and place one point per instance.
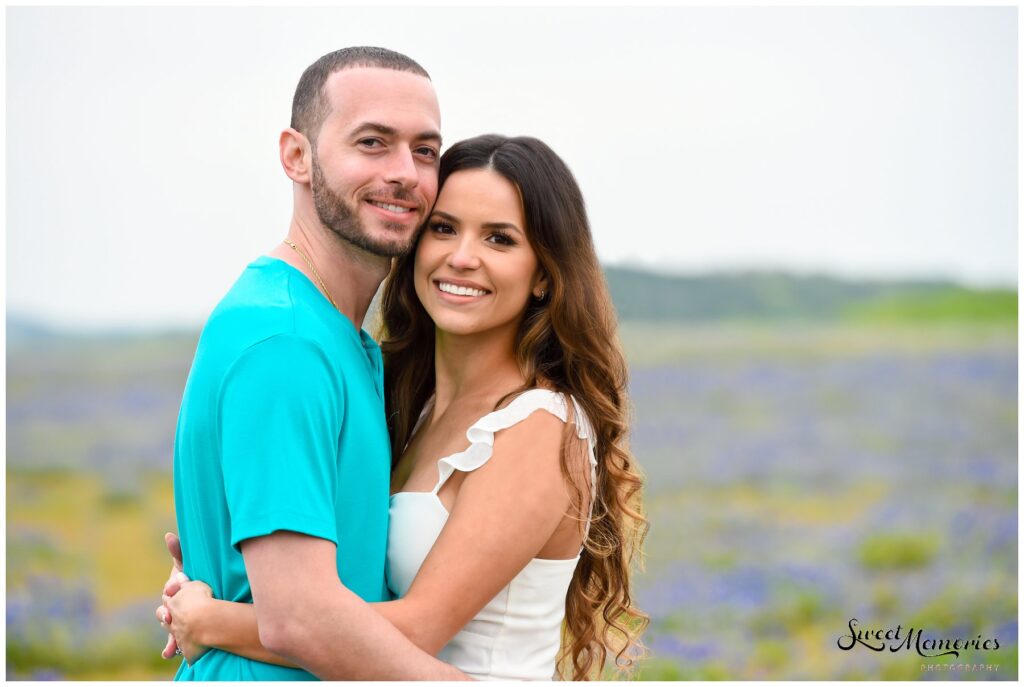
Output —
(568, 342)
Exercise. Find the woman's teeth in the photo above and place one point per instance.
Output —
(460, 290)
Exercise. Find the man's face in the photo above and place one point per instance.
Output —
(374, 175)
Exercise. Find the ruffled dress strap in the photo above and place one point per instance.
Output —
(481, 434)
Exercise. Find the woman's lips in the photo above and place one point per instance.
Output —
(459, 292)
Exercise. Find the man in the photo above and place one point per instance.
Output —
(282, 461)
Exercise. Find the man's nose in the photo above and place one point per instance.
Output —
(402, 169)
(463, 255)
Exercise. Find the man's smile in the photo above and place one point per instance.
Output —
(392, 207)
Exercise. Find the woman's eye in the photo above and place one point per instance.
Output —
(501, 239)
(441, 228)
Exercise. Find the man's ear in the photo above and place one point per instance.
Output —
(296, 155)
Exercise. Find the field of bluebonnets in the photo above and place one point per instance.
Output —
(799, 476)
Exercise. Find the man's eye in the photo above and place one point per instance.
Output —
(427, 152)
(370, 142)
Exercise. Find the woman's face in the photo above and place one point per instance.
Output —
(475, 271)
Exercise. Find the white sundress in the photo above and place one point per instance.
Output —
(517, 635)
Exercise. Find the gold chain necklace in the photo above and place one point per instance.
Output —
(315, 273)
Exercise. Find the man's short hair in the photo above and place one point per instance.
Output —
(310, 106)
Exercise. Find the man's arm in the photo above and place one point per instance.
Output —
(305, 614)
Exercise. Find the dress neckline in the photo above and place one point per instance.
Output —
(429, 406)
(481, 441)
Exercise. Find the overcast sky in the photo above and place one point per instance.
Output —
(142, 170)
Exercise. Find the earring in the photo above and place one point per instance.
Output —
(541, 295)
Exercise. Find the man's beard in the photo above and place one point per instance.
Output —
(340, 218)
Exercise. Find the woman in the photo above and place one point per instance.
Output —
(500, 310)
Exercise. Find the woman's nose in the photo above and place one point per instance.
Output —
(463, 255)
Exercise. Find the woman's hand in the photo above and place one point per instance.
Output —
(174, 580)
(181, 615)
(196, 622)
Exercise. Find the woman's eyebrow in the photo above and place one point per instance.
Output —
(444, 215)
(486, 225)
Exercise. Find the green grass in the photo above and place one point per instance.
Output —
(660, 670)
(952, 305)
(103, 531)
(897, 551)
(124, 656)
(651, 344)
(70, 526)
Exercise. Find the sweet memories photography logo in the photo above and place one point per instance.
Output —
(895, 640)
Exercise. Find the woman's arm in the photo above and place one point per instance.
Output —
(506, 510)
(200, 622)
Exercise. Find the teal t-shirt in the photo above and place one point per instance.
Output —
(281, 428)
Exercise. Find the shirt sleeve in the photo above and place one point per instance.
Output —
(280, 417)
